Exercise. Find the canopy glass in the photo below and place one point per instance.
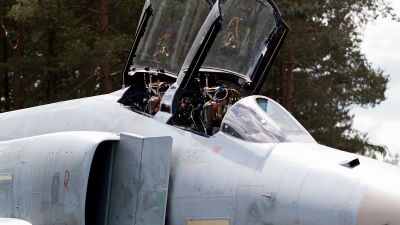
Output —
(170, 32)
(260, 119)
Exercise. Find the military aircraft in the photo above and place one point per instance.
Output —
(180, 144)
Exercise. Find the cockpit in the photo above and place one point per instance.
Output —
(262, 120)
(193, 62)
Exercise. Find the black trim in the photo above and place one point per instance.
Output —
(98, 187)
(209, 3)
(201, 53)
(265, 62)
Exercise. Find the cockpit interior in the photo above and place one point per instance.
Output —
(196, 62)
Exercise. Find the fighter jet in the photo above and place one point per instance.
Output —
(180, 144)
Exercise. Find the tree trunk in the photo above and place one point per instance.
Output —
(6, 87)
(4, 60)
(51, 75)
(282, 80)
(289, 75)
(17, 51)
(105, 78)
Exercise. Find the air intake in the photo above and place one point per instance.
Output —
(351, 164)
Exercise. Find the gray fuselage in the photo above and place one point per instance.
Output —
(218, 179)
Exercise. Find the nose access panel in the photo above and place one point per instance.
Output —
(139, 185)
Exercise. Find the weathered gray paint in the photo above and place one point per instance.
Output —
(140, 180)
(219, 178)
(44, 179)
(35, 192)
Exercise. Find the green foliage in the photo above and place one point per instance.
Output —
(62, 47)
(330, 74)
(394, 160)
(63, 51)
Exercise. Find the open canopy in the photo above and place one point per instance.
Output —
(194, 57)
(239, 41)
(165, 34)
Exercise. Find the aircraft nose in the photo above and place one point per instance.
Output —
(380, 205)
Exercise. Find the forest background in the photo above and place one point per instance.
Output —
(56, 50)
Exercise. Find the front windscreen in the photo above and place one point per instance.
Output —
(278, 115)
(260, 119)
(245, 28)
(245, 123)
(170, 33)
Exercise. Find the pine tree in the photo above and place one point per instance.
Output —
(72, 49)
(320, 72)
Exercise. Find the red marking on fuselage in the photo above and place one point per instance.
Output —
(217, 149)
(66, 180)
(134, 122)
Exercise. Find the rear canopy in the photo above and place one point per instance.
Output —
(239, 41)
